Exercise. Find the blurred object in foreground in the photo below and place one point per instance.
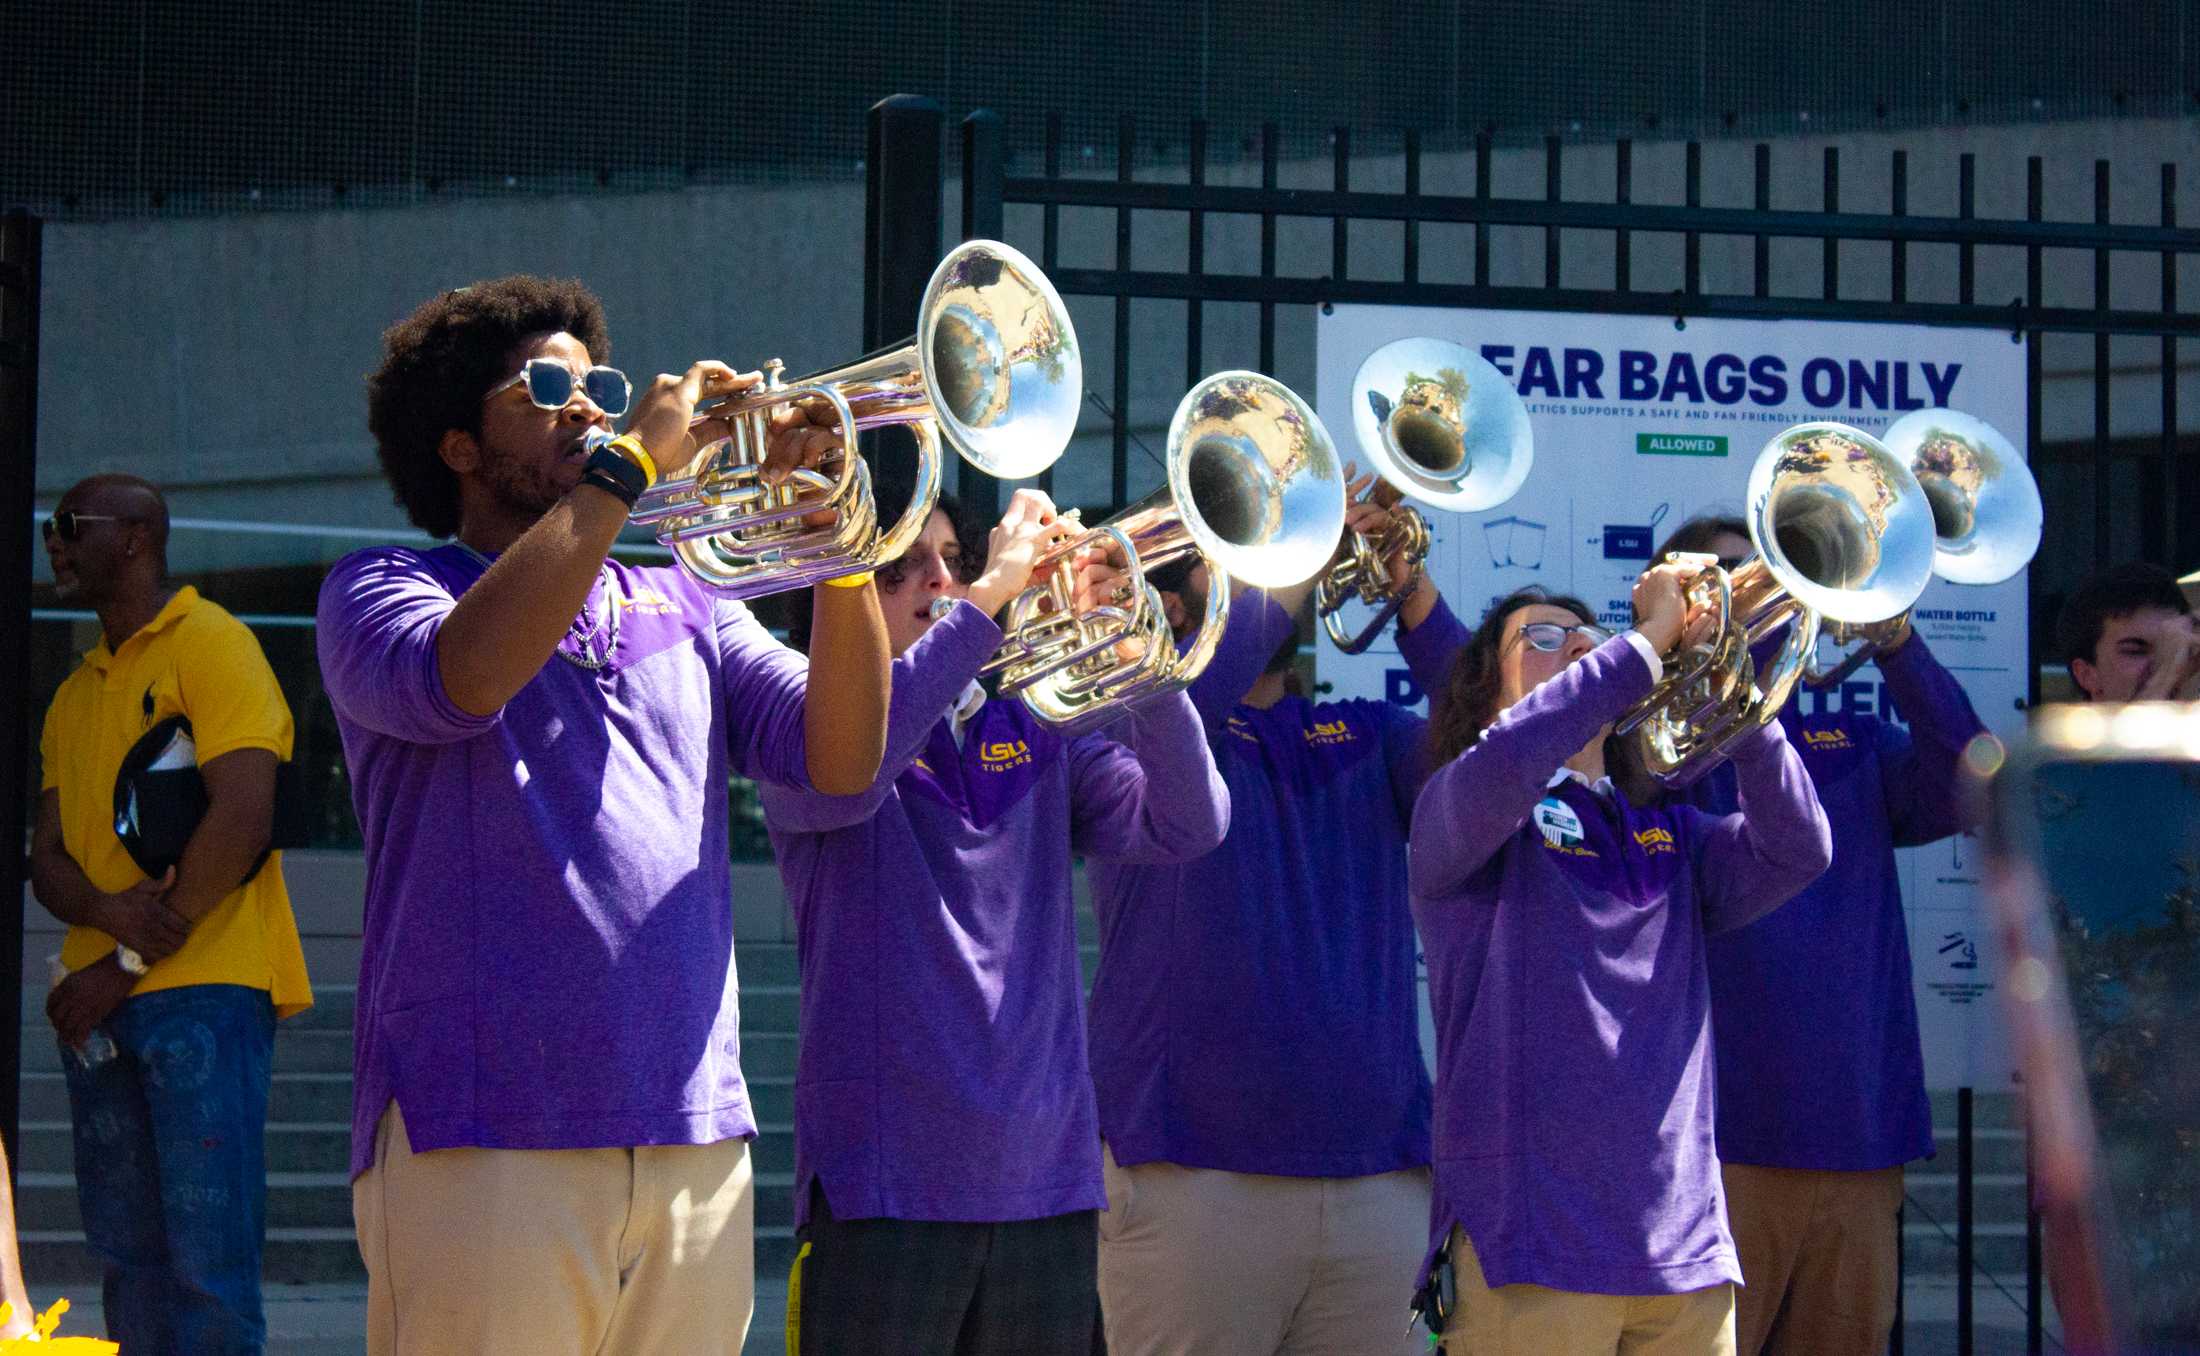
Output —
(44, 1343)
(2095, 878)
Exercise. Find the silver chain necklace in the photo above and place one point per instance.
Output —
(584, 655)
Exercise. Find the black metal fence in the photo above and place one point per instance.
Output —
(162, 107)
(2107, 495)
(2115, 494)
(19, 257)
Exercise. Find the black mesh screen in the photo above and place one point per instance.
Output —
(134, 107)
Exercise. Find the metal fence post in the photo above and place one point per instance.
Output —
(901, 245)
(1964, 1167)
(983, 169)
(2035, 1272)
(1901, 1274)
(19, 296)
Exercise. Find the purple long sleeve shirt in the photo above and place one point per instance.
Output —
(548, 960)
(1254, 1009)
(1565, 931)
(943, 1072)
(1813, 1014)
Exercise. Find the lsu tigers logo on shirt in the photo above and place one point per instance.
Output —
(647, 600)
(1243, 731)
(999, 755)
(1561, 828)
(1822, 741)
(1654, 840)
(1329, 732)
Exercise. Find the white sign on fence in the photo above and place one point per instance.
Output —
(1640, 425)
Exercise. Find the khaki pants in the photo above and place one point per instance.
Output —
(1820, 1258)
(556, 1252)
(1196, 1262)
(1531, 1320)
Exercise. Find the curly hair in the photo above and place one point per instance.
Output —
(1469, 701)
(438, 362)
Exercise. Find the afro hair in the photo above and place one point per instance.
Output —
(438, 363)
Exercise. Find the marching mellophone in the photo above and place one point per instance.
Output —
(1843, 532)
(993, 370)
(1443, 426)
(1847, 528)
(1254, 490)
(1986, 518)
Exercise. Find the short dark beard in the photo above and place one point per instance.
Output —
(531, 494)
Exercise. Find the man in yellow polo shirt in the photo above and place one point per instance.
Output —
(167, 1016)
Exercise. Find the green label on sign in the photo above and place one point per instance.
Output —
(1678, 445)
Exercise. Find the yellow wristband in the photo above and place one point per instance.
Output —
(851, 581)
(630, 447)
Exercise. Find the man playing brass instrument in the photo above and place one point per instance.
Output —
(1255, 1044)
(549, 1120)
(1821, 1081)
(947, 1160)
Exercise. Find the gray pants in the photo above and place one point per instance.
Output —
(1196, 1262)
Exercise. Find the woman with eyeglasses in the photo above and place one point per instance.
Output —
(947, 1150)
(1576, 1182)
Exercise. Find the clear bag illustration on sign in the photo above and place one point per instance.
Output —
(1515, 542)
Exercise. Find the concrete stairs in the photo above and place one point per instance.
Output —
(770, 996)
(309, 1235)
(1997, 1186)
(309, 1198)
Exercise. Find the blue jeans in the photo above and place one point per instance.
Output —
(171, 1167)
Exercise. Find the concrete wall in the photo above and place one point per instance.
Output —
(328, 892)
(223, 356)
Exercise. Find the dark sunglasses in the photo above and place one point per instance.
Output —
(550, 385)
(1550, 636)
(68, 524)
